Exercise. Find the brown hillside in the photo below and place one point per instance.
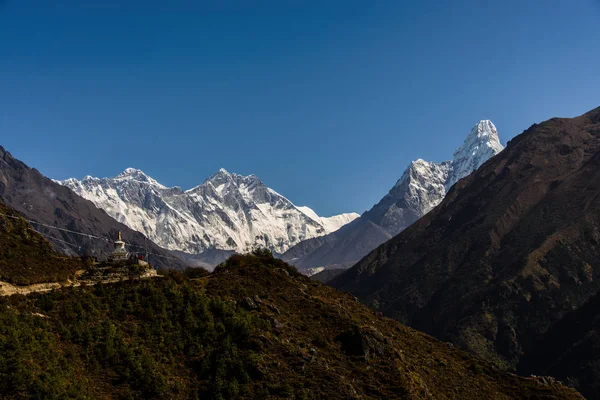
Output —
(512, 248)
(254, 329)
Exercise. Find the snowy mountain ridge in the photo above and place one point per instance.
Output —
(481, 144)
(422, 186)
(227, 211)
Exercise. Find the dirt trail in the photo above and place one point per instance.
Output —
(8, 289)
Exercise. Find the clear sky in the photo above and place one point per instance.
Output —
(325, 101)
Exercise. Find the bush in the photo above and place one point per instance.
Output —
(196, 272)
(262, 253)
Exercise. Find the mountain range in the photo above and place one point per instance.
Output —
(422, 186)
(227, 212)
(509, 260)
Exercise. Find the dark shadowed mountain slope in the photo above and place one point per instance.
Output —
(40, 199)
(327, 275)
(26, 257)
(340, 249)
(512, 249)
(570, 350)
(254, 329)
(207, 259)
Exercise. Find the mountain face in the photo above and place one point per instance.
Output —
(226, 212)
(570, 350)
(253, 329)
(422, 187)
(511, 250)
(39, 198)
(26, 257)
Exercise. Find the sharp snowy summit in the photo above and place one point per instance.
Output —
(228, 212)
(422, 186)
(480, 145)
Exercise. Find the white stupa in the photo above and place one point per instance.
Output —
(119, 253)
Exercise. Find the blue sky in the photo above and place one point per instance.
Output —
(325, 101)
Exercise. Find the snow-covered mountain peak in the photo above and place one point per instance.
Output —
(222, 174)
(130, 172)
(486, 127)
(421, 170)
(134, 174)
(70, 180)
(481, 144)
(418, 165)
(483, 134)
(219, 177)
(424, 184)
(419, 161)
(227, 211)
(222, 181)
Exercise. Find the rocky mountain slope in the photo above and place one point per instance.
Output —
(226, 212)
(423, 186)
(327, 274)
(26, 257)
(511, 250)
(254, 329)
(570, 350)
(40, 199)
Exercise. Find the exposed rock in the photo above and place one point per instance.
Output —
(273, 308)
(249, 304)
(277, 325)
(362, 342)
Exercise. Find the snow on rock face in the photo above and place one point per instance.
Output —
(331, 224)
(424, 185)
(136, 175)
(480, 145)
(227, 211)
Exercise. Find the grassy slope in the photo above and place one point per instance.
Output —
(255, 328)
(26, 257)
